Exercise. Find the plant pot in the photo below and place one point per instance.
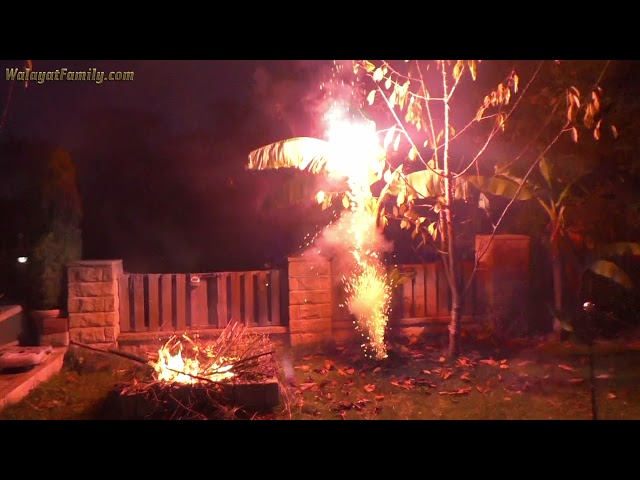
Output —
(44, 314)
(49, 322)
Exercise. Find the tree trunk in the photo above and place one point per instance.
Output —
(556, 265)
(456, 320)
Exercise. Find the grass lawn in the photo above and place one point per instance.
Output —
(526, 381)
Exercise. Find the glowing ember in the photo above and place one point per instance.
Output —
(358, 158)
(198, 365)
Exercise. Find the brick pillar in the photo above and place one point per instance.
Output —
(94, 316)
(310, 299)
(505, 281)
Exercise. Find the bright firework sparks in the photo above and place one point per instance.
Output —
(368, 291)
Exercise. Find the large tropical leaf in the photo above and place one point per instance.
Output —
(304, 153)
(613, 272)
(311, 155)
(428, 183)
(500, 186)
(620, 249)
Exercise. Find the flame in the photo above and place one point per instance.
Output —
(188, 369)
(357, 157)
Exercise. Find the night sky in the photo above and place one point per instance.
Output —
(178, 90)
(161, 159)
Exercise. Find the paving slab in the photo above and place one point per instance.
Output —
(15, 386)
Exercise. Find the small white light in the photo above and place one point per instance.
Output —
(22, 259)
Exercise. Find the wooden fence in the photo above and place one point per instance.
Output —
(425, 293)
(180, 302)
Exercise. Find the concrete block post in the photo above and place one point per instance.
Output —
(94, 305)
(310, 300)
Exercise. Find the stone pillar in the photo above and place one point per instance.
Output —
(310, 299)
(94, 308)
(504, 279)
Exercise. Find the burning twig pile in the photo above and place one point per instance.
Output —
(193, 379)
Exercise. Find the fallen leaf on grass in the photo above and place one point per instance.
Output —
(503, 361)
(406, 384)
(377, 369)
(499, 377)
(446, 375)
(611, 396)
(507, 399)
(566, 368)
(482, 389)
(465, 377)
(306, 386)
(344, 406)
(576, 380)
(504, 366)
(350, 371)
(304, 368)
(379, 398)
(369, 388)
(426, 382)
(426, 372)
(460, 391)
(342, 372)
(442, 359)
(525, 363)
(463, 362)
(489, 361)
(603, 375)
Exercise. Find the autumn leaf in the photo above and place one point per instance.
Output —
(611, 396)
(377, 369)
(614, 131)
(342, 372)
(489, 361)
(504, 366)
(379, 398)
(369, 388)
(371, 97)
(603, 375)
(378, 75)
(407, 384)
(566, 368)
(442, 359)
(481, 389)
(465, 376)
(427, 372)
(446, 375)
(460, 391)
(306, 386)
(350, 371)
(574, 134)
(304, 368)
(525, 363)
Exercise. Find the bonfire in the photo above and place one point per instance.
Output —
(192, 378)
